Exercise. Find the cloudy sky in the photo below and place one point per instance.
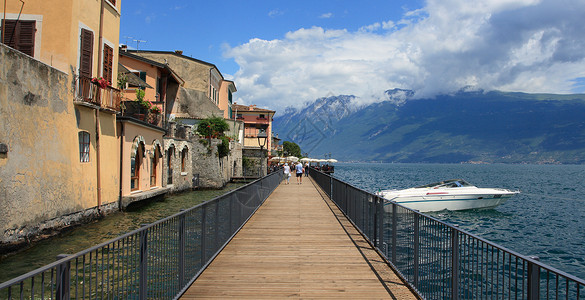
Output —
(285, 53)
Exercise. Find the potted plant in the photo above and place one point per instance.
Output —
(138, 107)
(101, 82)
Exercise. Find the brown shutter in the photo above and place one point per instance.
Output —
(108, 63)
(86, 54)
(20, 35)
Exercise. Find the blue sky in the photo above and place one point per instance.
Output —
(286, 53)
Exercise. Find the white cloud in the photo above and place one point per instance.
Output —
(326, 15)
(275, 12)
(513, 45)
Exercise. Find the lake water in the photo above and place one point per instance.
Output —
(546, 220)
(112, 226)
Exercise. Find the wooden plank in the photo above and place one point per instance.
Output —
(294, 246)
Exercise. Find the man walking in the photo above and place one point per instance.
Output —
(299, 169)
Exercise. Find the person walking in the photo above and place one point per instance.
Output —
(306, 169)
(287, 172)
(300, 171)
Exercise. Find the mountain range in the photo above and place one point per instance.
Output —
(465, 127)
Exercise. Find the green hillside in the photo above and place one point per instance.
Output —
(467, 127)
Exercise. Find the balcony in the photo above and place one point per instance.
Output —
(90, 92)
(134, 109)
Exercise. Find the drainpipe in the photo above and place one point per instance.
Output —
(97, 153)
(122, 136)
(4, 21)
(97, 116)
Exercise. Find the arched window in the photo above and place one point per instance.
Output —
(154, 166)
(184, 154)
(83, 146)
(135, 164)
(170, 154)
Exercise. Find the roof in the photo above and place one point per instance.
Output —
(131, 77)
(251, 108)
(156, 64)
(178, 55)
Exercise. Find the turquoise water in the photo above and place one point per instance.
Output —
(89, 235)
(546, 220)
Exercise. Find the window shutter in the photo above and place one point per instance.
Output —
(20, 35)
(9, 28)
(108, 62)
(86, 55)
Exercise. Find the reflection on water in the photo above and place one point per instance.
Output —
(114, 225)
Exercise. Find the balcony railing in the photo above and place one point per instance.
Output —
(89, 92)
(131, 108)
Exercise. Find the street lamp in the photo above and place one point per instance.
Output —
(262, 137)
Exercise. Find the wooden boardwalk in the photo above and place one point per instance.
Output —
(298, 245)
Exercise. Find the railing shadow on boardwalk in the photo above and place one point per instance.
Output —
(158, 261)
(440, 261)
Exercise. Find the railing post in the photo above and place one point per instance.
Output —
(63, 277)
(203, 234)
(143, 288)
(379, 229)
(454, 264)
(533, 281)
(394, 233)
(216, 226)
(416, 248)
(181, 250)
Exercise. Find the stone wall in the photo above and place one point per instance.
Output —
(181, 179)
(252, 159)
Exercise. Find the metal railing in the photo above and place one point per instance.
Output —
(440, 261)
(158, 261)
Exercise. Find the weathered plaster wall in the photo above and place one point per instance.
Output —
(194, 73)
(194, 104)
(41, 176)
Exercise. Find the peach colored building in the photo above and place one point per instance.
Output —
(255, 120)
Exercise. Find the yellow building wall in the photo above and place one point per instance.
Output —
(59, 24)
(41, 177)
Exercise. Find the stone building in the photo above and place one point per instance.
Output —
(205, 93)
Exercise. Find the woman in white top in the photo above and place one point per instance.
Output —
(286, 172)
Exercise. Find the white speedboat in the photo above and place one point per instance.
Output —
(455, 194)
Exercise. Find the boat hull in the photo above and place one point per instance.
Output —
(430, 203)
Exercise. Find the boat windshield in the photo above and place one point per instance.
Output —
(446, 184)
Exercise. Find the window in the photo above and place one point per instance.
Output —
(108, 63)
(141, 75)
(262, 116)
(83, 146)
(184, 159)
(20, 35)
(153, 167)
(86, 55)
(113, 2)
(135, 163)
(170, 154)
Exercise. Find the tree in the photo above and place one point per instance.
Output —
(291, 148)
(215, 127)
(212, 127)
